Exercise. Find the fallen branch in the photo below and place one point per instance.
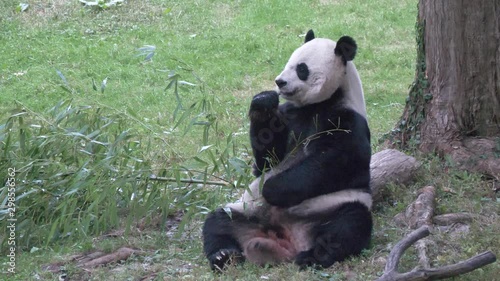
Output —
(421, 211)
(421, 274)
(82, 259)
(449, 219)
(401, 246)
(120, 254)
(195, 181)
(421, 246)
(390, 166)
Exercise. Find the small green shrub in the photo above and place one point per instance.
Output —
(74, 170)
(80, 169)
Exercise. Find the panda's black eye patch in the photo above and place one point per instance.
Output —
(302, 71)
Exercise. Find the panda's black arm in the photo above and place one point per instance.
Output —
(268, 131)
(311, 178)
(268, 146)
(329, 168)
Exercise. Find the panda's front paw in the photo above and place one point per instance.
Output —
(265, 101)
(278, 192)
(274, 196)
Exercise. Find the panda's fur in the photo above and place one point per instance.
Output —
(310, 203)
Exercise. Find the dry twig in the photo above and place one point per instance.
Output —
(421, 211)
(120, 254)
(449, 219)
(421, 246)
(421, 274)
(190, 181)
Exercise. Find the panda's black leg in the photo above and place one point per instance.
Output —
(220, 247)
(347, 233)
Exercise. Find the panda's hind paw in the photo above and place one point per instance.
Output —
(306, 260)
(220, 260)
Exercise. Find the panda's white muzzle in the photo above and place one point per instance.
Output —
(282, 88)
(280, 83)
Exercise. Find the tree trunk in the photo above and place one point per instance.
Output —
(454, 104)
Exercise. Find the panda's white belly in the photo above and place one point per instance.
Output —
(251, 198)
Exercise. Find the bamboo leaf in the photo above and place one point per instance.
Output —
(132, 112)
(203, 148)
(199, 160)
(181, 82)
(63, 78)
(103, 84)
(53, 228)
(239, 165)
(94, 85)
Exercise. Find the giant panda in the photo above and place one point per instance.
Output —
(310, 203)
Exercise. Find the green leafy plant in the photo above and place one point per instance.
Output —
(218, 154)
(79, 167)
(74, 170)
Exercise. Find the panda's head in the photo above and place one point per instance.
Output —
(318, 69)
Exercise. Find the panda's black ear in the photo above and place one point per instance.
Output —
(346, 48)
(309, 36)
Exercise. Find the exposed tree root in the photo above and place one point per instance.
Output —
(476, 155)
(479, 155)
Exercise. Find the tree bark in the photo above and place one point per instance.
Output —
(454, 108)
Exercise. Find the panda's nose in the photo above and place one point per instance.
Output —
(280, 83)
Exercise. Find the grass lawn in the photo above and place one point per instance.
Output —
(93, 99)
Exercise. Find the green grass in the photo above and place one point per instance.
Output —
(231, 50)
(237, 48)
